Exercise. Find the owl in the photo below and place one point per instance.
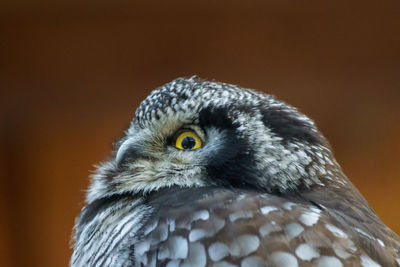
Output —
(211, 174)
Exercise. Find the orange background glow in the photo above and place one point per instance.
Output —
(73, 73)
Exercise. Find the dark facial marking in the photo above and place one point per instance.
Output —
(216, 117)
(288, 127)
(232, 165)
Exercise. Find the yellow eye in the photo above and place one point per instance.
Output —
(188, 140)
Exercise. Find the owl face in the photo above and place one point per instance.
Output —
(192, 133)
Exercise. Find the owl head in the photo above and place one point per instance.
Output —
(193, 133)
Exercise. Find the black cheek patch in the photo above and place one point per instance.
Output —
(231, 165)
(285, 125)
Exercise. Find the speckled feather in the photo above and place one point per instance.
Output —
(264, 190)
(245, 228)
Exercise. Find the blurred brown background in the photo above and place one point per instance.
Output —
(73, 72)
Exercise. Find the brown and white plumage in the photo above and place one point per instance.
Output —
(261, 189)
(245, 228)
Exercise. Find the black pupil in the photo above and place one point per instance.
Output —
(188, 142)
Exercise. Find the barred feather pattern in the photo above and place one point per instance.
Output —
(105, 231)
(221, 227)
